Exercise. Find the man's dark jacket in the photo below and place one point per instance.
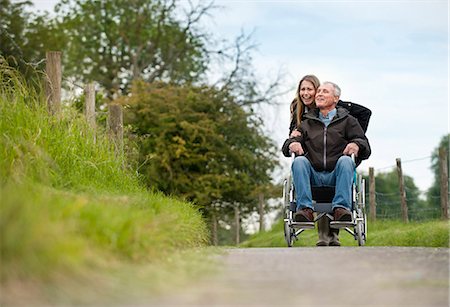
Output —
(361, 113)
(323, 146)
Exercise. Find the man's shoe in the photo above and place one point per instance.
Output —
(342, 215)
(304, 215)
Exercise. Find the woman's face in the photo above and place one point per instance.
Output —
(307, 92)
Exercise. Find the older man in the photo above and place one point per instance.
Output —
(329, 135)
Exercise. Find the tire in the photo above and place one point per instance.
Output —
(360, 229)
(288, 235)
(360, 234)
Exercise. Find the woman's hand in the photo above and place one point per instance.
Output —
(295, 133)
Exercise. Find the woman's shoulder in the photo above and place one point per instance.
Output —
(352, 107)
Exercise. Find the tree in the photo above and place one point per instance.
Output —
(115, 42)
(434, 192)
(196, 142)
(25, 37)
(13, 42)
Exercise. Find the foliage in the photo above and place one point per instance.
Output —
(68, 202)
(24, 37)
(198, 143)
(434, 192)
(380, 233)
(115, 42)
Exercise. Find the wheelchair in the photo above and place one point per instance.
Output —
(322, 198)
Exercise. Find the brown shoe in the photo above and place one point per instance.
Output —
(342, 215)
(304, 215)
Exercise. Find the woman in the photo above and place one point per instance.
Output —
(304, 101)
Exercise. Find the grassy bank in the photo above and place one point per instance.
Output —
(380, 233)
(73, 213)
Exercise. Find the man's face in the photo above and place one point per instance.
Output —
(325, 98)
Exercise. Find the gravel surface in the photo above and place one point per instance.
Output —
(322, 276)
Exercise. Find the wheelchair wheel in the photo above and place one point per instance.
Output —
(288, 235)
(360, 228)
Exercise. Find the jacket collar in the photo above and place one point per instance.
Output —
(314, 113)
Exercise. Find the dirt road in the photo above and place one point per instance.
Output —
(337, 276)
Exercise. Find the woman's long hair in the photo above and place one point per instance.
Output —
(297, 105)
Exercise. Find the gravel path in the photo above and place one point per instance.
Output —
(337, 276)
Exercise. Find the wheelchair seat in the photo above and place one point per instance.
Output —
(322, 199)
(323, 194)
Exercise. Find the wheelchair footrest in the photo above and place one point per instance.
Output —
(339, 224)
(305, 225)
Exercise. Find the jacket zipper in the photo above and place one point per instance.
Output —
(325, 147)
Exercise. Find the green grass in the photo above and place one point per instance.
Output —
(380, 233)
(71, 209)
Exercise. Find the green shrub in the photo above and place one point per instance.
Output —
(67, 200)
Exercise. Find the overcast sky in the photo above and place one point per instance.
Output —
(391, 56)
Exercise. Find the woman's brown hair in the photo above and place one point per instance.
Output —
(298, 103)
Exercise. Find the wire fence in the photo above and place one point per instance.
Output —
(409, 202)
(418, 209)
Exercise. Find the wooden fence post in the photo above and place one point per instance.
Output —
(237, 223)
(443, 171)
(401, 184)
(53, 81)
(214, 227)
(89, 106)
(372, 199)
(261, 211)
(115, 126)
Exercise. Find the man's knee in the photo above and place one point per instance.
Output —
(300, 163)
(345, 163)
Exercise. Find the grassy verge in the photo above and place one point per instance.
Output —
(76, 224)
(380, 233)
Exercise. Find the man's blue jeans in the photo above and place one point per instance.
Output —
(305, 176)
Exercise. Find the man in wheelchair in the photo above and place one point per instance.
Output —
(329, 135)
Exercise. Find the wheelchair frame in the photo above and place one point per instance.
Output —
(357, 227)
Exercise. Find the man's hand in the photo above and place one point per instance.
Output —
(296, 147)
(295, 133)
(350, 149)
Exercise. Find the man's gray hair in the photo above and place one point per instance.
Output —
(337, 89)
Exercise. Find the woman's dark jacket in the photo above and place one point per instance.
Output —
(323, 146)
(361, 113)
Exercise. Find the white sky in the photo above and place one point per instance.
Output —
(391, 56)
